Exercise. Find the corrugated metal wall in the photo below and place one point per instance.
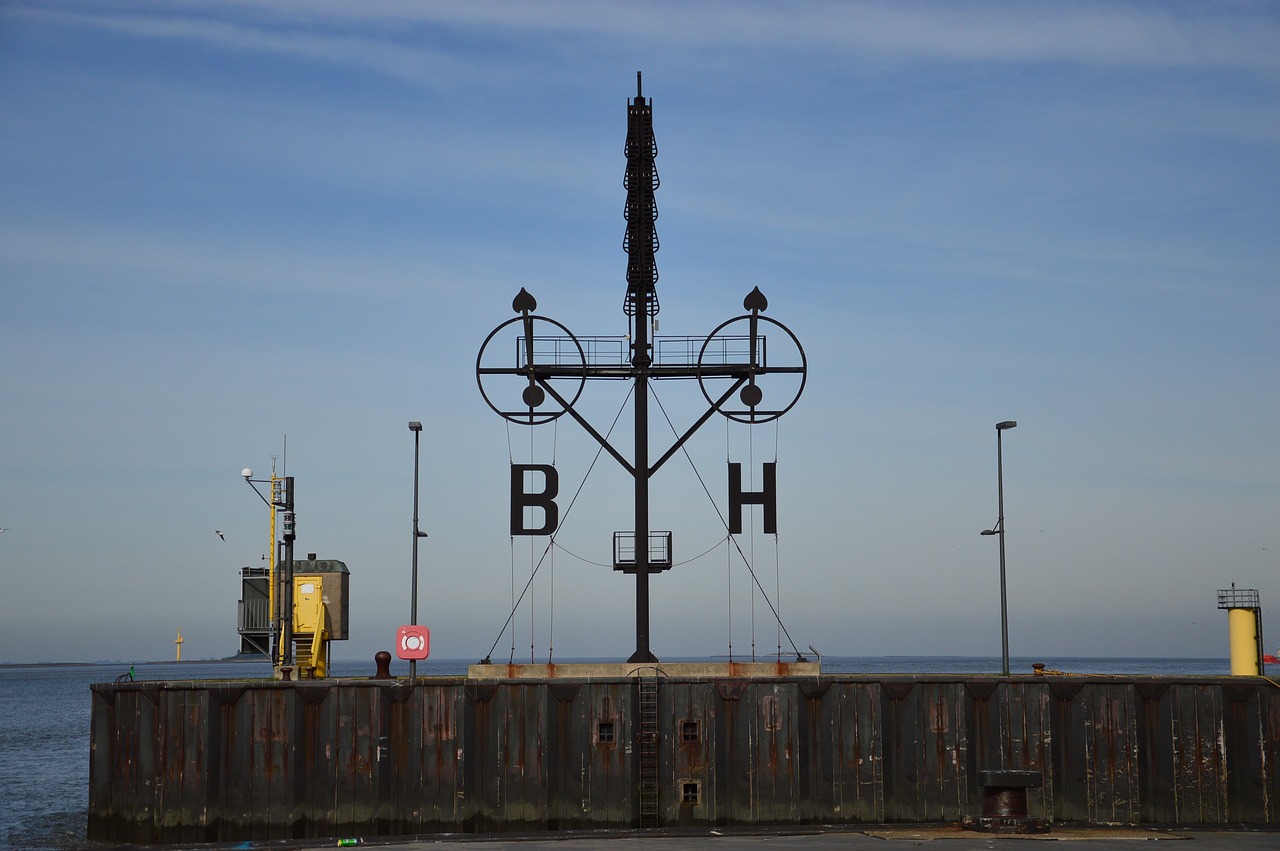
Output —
(190, 762)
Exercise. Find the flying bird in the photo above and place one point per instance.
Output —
(218, 532)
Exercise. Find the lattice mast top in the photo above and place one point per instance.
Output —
(641, 180)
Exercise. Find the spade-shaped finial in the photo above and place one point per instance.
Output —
(755, 301)
(524, 302)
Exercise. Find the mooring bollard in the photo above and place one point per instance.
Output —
(383, 660)
(1004, 803)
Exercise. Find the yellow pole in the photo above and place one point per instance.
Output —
(271, 561)
(1242, 626)
(178, 642)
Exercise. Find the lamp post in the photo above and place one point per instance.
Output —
(998, 529)
(290, 532)
(416, 428)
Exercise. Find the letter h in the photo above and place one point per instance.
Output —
(767, 498)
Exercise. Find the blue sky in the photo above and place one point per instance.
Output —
(225, 223)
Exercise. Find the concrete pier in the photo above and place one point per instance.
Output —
(183, 762)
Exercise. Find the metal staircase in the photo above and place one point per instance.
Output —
(311, 646)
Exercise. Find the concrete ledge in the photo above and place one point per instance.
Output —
(628, 670)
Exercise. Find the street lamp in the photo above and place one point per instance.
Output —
(998, 529)
(416, 428)
(286, 597)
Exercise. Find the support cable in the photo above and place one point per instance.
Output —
(728, 551)
(777, 564)
(562, 548)
(751, 482)
(513, 598)
(551, 541)
(724, 522)
(551, 580)
(511, 460)
(533, 590)
(777, 572)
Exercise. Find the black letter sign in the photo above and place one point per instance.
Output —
(544, 499)
(767, 497)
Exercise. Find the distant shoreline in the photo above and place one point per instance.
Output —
(119, 662)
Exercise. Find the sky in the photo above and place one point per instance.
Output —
(242, 232)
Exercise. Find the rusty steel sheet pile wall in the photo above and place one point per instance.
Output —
(185, 762)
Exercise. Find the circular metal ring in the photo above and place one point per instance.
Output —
(751, 396)
(533, 395)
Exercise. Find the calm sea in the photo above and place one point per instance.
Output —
(44, 722)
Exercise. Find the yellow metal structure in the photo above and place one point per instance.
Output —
(310, 632)
(178, 641)
(1242, 626)
(271, 563)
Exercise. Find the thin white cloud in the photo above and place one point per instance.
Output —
(417, 65)
(268, 264)
(1131, 34)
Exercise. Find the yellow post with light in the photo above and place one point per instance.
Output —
(276, 652)
(1244, 628)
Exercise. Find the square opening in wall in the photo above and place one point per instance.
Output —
(605, 733)
(690, 731)
(689, 792)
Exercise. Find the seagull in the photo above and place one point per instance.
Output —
(218, 532)
(6, 530)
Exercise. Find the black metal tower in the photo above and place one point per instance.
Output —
(559, 364)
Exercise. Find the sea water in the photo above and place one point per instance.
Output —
(44, 720)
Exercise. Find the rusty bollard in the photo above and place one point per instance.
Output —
(1004, 803)
(383, 660)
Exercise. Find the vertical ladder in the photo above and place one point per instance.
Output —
(648, 750)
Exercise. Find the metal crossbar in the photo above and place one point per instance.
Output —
(616, 351)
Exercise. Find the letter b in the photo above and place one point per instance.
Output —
(544, 499)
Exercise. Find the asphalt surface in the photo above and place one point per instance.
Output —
(887, 838)
(865, 838)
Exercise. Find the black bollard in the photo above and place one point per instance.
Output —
(383, 660)
(1004, 803)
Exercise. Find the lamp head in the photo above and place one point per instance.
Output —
(415, 426)
(991, 531)
(1007, 424)
(247, 473)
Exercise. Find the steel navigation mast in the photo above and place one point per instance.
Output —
(556, 364)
